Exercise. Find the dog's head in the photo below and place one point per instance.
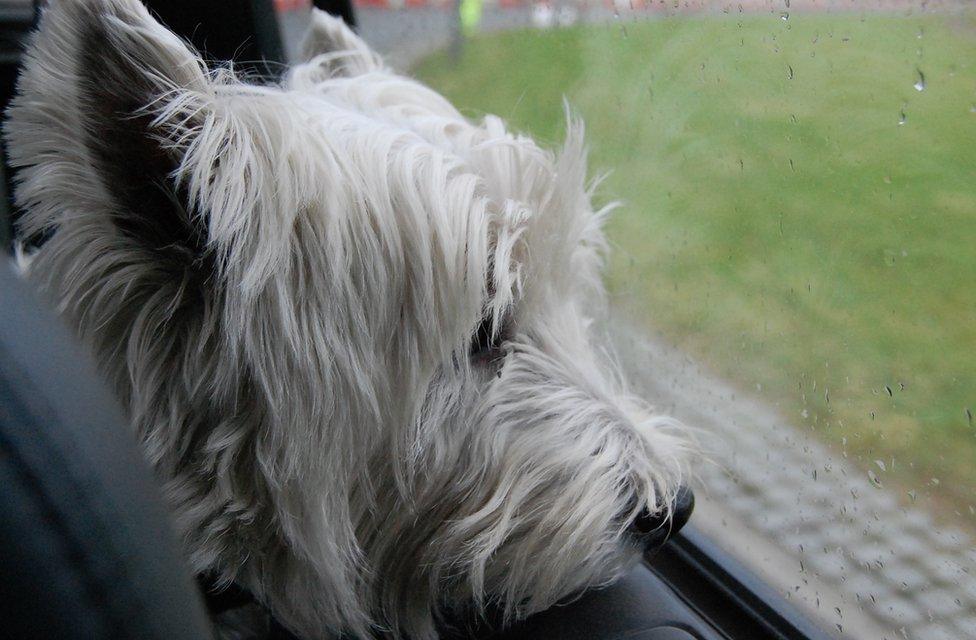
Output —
(354, 331)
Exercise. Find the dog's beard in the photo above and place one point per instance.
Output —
(522, 493)
(284, 284)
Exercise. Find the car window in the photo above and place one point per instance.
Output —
(791, 266)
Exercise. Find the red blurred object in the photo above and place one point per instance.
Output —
(408, 4)
(291, 5)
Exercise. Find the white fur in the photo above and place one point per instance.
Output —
(322, 436)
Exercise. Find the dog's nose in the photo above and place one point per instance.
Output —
(654, 529)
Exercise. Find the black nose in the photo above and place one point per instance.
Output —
(654, 529)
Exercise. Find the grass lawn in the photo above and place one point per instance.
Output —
(798, 215)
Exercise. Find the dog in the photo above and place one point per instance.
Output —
(357, 335)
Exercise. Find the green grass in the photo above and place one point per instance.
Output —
(780, 223)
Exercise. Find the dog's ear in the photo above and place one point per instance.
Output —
(332, 46)
(103, 116)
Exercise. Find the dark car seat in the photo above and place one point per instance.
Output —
(86, 550)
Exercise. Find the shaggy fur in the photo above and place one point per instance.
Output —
(354, 331)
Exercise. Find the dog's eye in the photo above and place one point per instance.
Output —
(486, 342)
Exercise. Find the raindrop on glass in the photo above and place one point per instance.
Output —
(920, 82)
(873, 477)
(902, 118)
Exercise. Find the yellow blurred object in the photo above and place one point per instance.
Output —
(471, 16)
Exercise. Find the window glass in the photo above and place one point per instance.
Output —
(793, 264)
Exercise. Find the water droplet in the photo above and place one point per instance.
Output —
(902, 118)
(912, 495)
(969, 416)
(881, 465)
(872, 476)
(920, 83)
(888, 390)
(785, 16)
(790, 73)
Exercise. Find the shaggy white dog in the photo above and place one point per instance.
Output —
(354, 331)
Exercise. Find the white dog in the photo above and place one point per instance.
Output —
(353, 331)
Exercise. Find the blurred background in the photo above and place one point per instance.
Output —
(793, 268)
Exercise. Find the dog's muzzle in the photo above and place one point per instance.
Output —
(653, 530)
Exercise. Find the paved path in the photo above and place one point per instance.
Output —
(817, 526)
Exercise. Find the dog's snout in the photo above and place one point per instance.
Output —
(653, 529)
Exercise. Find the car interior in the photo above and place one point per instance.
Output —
(87, 549)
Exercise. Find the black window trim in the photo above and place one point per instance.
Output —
(726, 594)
